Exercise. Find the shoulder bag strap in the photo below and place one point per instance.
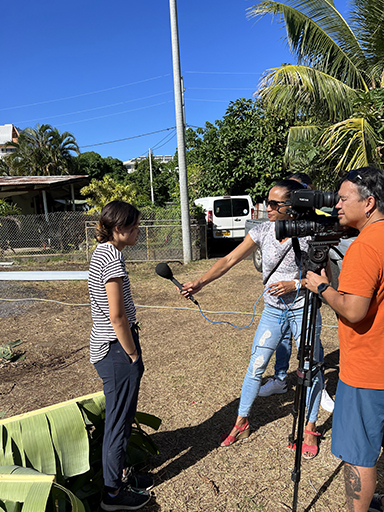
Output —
(265, 280)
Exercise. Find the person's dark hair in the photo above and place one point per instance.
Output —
(115, 214)
(289, 185)
(302, 177)
(369, 182)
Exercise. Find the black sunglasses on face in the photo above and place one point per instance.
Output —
(274, 204)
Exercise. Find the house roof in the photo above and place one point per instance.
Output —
(31, 181)
(24, 183)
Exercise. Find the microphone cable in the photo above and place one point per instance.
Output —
(230, 323)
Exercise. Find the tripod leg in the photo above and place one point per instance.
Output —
(300, 374)
(304, 372)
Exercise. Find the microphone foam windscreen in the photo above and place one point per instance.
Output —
(163, 270)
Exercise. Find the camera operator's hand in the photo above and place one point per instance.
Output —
(281, 288)
(313, 280)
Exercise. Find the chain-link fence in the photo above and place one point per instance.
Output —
(73, 233)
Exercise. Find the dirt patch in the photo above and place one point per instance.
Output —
(193, 377)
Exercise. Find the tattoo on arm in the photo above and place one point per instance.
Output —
(352, 481)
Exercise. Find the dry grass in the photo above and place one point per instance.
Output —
(193, 377)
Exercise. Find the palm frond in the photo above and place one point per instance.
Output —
(367, 19)
(305, 88)
(352, 142)
(319, 37)
(301, 139)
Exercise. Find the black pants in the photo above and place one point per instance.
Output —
(121, 382)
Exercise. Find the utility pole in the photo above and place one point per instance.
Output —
(180, 128)
(150, 175)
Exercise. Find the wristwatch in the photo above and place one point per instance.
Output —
(321, 289)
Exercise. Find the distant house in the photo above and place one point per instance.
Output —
(130, 164)
(44, 194)
(8, 133)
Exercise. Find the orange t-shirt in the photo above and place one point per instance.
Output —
(362, 343)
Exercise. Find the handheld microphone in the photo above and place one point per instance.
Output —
(163, 270)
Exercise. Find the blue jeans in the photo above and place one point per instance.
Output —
(269, 334)
(283, 355)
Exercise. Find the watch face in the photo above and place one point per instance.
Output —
(322, 287)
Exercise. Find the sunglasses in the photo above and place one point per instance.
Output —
(275, 205)
(353, 176)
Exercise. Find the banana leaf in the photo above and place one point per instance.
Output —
(65, 440)
(32, 489)
(52, 440)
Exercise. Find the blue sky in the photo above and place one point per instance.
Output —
(103, 70)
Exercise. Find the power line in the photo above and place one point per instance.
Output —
(86, 93)
(92, 109)
(221, 73)
(164, 140)
(115, 114)
(127, 138)
(213, 101)
(219, 88)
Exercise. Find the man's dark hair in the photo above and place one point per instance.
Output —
(369, 182)
(302, 177)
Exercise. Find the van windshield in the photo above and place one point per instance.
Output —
(231, 207)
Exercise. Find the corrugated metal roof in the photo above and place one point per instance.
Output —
(39, 180)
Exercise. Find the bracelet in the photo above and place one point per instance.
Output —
(297, 284)
(134, 352)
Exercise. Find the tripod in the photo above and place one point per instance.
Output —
(308, 368)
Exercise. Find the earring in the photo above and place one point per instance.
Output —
(367, 214)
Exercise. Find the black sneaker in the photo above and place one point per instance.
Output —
(136, 481)
(376, 503)
(125, 500)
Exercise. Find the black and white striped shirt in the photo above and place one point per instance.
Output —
(107, 263)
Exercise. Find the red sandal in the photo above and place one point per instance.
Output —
(242, 433)
(310, 448)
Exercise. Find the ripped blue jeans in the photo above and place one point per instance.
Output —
(269, 334)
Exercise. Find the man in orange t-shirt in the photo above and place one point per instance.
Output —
(358, 420)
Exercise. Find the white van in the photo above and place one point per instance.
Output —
(226, 215)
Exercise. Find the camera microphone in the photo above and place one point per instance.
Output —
(163, 270)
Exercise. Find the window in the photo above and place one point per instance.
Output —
(231, 207)
(222, 208)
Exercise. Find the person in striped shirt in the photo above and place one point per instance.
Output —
(115, 352)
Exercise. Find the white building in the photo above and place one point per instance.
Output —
(8, 133)
(130, 164)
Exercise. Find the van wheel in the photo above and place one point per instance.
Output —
(257, 259)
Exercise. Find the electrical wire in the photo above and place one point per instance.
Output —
(116, 113)
(86, 93)
(219, 89)
(169, 137)
(221, 73)
(128, 138)
(92, 109)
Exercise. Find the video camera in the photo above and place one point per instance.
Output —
(302, 204)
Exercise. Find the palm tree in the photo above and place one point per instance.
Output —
(42, 151)
(335, 89)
